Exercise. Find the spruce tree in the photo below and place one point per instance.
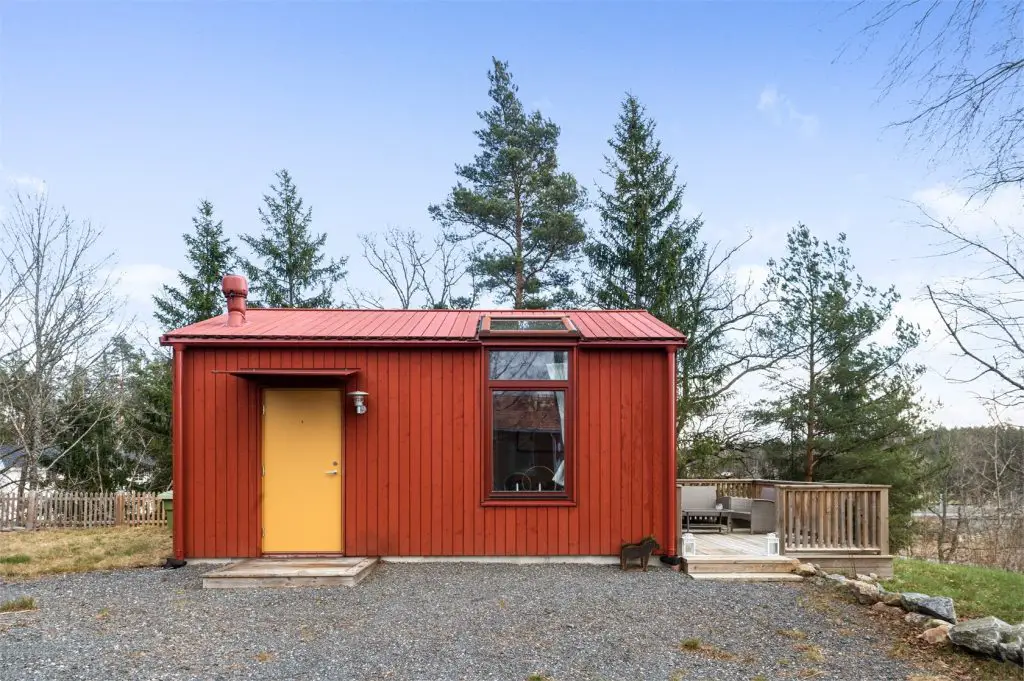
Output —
(844, 397)
(521, 213)
(290, 268)
(198, 296)
(638, 256)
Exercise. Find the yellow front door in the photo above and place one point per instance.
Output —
(302, 471)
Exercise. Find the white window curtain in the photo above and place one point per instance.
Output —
(560, 372)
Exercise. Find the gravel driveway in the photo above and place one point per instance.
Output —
(439, 621)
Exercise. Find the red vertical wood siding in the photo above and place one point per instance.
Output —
(413, 463)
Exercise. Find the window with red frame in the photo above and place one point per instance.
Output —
(528, 393)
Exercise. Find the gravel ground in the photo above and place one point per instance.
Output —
(438, 621)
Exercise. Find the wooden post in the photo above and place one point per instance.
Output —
(119, 509)
(30, 512)
(883, 521)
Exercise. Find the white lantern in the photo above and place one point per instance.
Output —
(689, 545)
(771, 544)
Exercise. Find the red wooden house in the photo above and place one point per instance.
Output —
(422, 433)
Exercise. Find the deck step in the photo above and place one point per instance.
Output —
(748, 576)
(738, 564)
(290, 572)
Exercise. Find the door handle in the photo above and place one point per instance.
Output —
(331, 472)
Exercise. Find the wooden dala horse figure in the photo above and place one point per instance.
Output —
(641, 551)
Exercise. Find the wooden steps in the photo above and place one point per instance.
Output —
(734, 564)
(290, 572)
(748, 577)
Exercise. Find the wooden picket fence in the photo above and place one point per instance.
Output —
(36, 510)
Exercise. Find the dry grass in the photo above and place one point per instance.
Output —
(694, 645)
(794, 634)
(25, 555)
(811, 652)
(18, 604)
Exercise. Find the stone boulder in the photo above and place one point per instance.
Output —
(1011, 644)
(983, 635)
(916, 619)
(866, 593)
(805, 570)
(885, 609)
(936, 635)
(891, 598)
(940, 607)
(838, 579)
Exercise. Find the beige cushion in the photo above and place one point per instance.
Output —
(699, 497)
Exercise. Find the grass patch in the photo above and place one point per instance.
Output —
(694, 645)
(794, 634)
(18, 604)
(15, 559)
(690, 644)
(977, 591)
(46, 552)
(811, 652)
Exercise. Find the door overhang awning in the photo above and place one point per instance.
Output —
(293, 375)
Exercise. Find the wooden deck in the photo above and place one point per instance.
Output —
(733, 544)
(290, 572)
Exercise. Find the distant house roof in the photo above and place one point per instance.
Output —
(11, 456)
(455, 326)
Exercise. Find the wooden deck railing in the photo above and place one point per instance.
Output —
(36, 510)
(821, 518)
(812, 517)
(726, 487)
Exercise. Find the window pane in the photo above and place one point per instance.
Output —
(529, 444)
(526, 324)
(529, 365)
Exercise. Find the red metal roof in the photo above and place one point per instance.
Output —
(414, 325)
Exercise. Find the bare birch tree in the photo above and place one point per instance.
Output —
(418, 273)
(963, 62)
(60, 321)
(983, 311)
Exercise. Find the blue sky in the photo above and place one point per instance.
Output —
(132, 112)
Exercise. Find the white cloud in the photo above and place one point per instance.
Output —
(1003, 208)
(138, 283)
(29, 182)
(782, 110)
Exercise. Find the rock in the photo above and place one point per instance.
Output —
(915, 618)
(1012, 652)
(886, 609)
(1011, 644)
(940, 607)
(873, 576)
(936, 635)
(983, 635)
(865, 578)
(865, 592)
(805, 570)
(838, 579)
(890, 598)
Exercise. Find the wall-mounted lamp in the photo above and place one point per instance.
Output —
(359, 399)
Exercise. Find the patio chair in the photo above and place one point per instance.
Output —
(759, 513)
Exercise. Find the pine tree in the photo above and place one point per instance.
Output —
(199, 295)
(840, 391)
(844, 399)
(637, 258)
(521, 213)
(292, 270)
